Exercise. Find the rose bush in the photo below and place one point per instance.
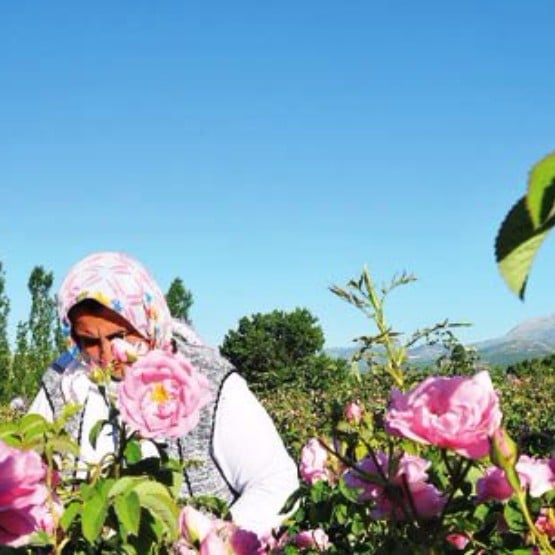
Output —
(434, 472)
(423, 482)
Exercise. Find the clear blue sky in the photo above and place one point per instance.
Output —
(263, 151)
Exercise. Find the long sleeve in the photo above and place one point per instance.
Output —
(252, 457)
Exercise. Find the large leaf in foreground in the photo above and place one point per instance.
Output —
(516, 246)
(540, 198)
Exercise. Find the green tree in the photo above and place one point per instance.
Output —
(35, 347)
(273, 348)
(24, 381)
(179, 300)
(59, 339)
(42, 318)
(5, 356)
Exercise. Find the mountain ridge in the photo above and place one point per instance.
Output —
(532, 338)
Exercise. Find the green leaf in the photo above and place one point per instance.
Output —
(63, 445)
(126, 484)
(68, 412)
(32, 425)
(133, 452)
(155, 498)
(128, 549)
(516, 246)
(95, 431)
(175, 468)
(93, 516)
(7, 432)
(514, 518)
(128, 511)
(540, 198)
(70, 512)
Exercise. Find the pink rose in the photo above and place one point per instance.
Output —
(427, 500)
(24, 497)
(410, 473)
(313, 462)
(213, 544)
(194, 525)
(244, 542)
(545, 522)
(353, 412)
(493, 486)
(312, 539)
(213, 536)
(162, 395)
(457, 413)
(413, 467)
(457, 540)
(124, 351)
(370, 490)
(269, 543)
(535, 474)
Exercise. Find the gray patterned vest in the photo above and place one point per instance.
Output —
(204, 476)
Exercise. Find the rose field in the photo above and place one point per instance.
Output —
(454, 458)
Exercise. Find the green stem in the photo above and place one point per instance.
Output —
(457, 477)
(536, 535)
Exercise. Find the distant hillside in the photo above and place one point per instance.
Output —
(533, 338)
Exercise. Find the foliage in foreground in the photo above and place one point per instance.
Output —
(428, 467)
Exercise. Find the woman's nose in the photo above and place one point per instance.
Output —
(105, 355)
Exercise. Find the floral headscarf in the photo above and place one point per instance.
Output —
(122, 284)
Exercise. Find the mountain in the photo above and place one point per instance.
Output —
(533, 338)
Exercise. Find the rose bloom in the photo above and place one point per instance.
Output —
(493, 486)
(313, 462)
(428, 501)
(312, 539)
(213, 535)
(194, 525)
(370, 490)
(245, 542)
(162, 395)
(213, 544)
(545, 522)
(457, 413)
(353, 412)
(457, 540)
(124, 351)
(24, 504)
(534, 474)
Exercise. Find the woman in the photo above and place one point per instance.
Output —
(109, 297)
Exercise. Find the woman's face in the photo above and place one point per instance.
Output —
(94, 331)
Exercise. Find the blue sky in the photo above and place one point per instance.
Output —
(265, 151)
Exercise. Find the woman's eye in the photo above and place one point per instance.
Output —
(88, 342)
